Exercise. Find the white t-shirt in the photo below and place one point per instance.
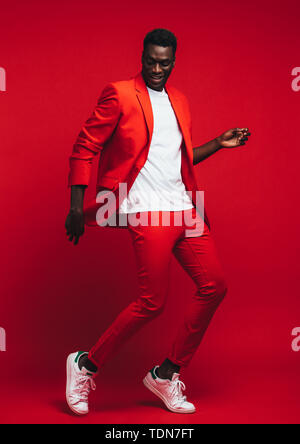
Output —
(159, 184)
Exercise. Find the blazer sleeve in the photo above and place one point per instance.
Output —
(96, 131)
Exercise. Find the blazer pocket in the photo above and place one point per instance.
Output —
(108, 182)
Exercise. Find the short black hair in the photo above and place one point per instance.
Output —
(161, 37)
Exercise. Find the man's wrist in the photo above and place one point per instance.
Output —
(218, 143)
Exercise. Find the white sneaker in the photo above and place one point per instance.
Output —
(169, 391)
(79, 385)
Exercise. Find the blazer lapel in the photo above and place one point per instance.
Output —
(144, 99)
(179, 112)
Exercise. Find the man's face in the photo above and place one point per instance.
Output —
(158, 63)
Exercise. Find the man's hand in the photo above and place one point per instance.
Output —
(75, 224)
(230, 139)
(234, 137)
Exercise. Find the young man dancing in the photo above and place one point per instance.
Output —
(142, 127)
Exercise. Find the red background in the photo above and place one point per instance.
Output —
(234, 63)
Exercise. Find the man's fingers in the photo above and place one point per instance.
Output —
(241, 135)
(246, 132)
(74, 237)
(243, 130)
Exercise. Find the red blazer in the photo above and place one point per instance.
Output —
(120, 129)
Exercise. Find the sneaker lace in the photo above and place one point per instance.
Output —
(84, 385)
(177, 387)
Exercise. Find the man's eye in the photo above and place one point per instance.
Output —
(152, 62)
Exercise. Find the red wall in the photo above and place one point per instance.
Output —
(234, 63)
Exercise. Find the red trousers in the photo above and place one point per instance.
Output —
(196, 253)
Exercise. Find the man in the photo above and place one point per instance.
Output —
(143, 129)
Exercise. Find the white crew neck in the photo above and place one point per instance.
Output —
(158, 93)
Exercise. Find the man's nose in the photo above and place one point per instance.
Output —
(157, 69)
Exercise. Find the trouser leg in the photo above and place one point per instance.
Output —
(198, 257)
(153, 252)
